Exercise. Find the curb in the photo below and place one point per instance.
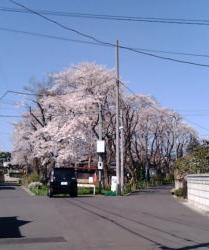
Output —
(27, 191)
(134, 192)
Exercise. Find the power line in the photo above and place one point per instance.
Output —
(91, 37)
(49, 36)
(23, 93)
(31, 94)
(165, 58)
(203, 22)
(130, 90)
(49, 116)
(10, 103)
(18, 93)
(175, 52)
(61, 38)
(200, 115)
(197, 124)
(2, 96)
(57, 23)
(11, 116)
(86, 113)
(192, 110)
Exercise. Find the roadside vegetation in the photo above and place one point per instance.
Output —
(195, 162)
(181, 192)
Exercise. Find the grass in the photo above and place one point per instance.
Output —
(89, 191)
(85, 191)
(41, 191)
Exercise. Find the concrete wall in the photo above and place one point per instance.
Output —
(198, 190)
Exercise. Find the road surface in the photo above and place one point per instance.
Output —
(152, 219)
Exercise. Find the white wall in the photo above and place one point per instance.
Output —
(198, 190)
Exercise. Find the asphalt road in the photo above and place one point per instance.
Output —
(147, 220)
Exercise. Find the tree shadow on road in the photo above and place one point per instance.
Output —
(8, 186)
(9, 227)
(5, 187)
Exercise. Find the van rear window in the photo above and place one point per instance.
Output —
(64, 173)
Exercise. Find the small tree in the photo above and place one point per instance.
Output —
(196, 162)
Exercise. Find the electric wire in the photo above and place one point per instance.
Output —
(61, 38)
(50, 116)
(91, 37)
(151, 106)
(197, 124)
(17, 92)
(87, 112)
(129, 89)
(38, 95)
(183, 21)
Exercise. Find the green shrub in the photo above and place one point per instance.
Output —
(40, 191)
(85, 191)
(34, 177)
(127, 188)
(27, 179)
(89, 191)
(180, 192)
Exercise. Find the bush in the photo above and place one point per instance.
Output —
(34, 177)
(27, 179)
(84, 191)
(196, 162)
(127, 188)
(35, 184)
(178, 192)
(40, 191)
(181, 192)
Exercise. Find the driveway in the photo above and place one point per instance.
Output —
(152, 219)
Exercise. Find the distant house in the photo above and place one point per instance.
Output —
(86, 173)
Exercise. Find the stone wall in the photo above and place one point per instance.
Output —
(198, 190)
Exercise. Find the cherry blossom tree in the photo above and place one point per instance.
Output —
(62, 125)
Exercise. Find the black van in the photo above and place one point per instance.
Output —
(62, 181)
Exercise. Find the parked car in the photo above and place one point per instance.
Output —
(62, 181)
(13, 176)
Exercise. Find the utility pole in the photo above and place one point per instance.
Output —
(118, 189)
(100, 154)
(121, 152)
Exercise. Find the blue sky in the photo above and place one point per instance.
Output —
(181, 87)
